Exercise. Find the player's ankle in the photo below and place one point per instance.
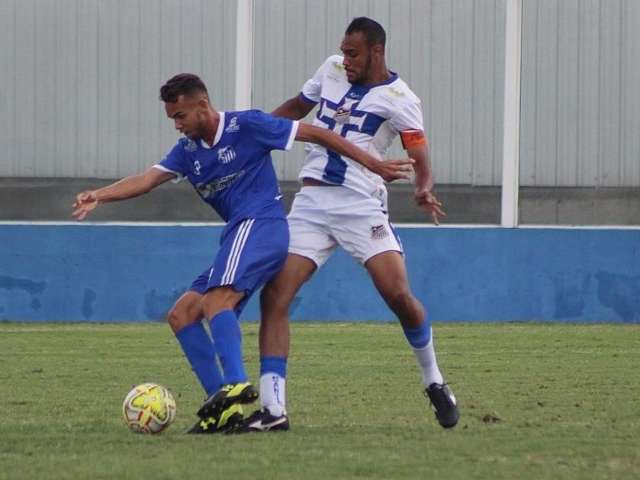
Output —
(276, 410)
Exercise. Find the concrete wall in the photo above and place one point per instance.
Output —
(134, 273)
(50, 200)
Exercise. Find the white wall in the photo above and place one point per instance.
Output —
(79, 80)
(580, 122)
(451, 53)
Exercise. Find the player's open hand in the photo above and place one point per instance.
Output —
(428, 201)
(391, 170)
(85, 203)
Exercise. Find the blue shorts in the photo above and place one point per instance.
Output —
(250, 253)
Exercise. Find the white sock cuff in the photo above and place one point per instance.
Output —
(273, 393)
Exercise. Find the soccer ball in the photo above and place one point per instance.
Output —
(149, 408)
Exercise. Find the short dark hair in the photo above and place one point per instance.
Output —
(182, 84)
(372, 30)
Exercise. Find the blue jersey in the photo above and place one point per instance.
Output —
(235, 175)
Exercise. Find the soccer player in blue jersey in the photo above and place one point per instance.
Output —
(341, 204)
(226, 157)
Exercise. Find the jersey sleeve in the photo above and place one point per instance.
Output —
(175, 162)
(407, 117)
(313, 87)
(272, 133)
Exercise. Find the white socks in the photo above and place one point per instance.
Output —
(426, 357)
(273, 393)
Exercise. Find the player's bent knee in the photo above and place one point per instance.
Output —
(178, 318)
(400, 300)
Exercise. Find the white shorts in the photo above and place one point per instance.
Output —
(322, 218)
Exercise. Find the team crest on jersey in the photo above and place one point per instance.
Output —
(190, 146)
(342, 114)
(226, 155)
(378, 232)
(233, 126)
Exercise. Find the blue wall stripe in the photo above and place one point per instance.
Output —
(111, 273)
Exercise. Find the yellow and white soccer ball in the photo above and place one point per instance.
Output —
(149, 408)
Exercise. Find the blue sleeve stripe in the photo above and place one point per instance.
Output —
(306, 99)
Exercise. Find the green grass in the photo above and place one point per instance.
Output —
(538, 401)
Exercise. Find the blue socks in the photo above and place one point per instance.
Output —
(418, 337)
(277, 365)
(199, 350)
(227, 337)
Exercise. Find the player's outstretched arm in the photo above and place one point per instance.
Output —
(295, 109)
(128, 187)
(389, 170)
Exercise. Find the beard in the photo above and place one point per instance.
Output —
(364, 75)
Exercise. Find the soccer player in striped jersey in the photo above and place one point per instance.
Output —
(343, 204)
(226, 157)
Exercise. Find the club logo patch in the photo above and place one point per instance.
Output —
(342, 115)
(226, 155)
(343, 112)
(378, 232)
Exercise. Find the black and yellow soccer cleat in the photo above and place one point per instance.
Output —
(443, 403)
(262, 421)
(227, 396)
(229, 419)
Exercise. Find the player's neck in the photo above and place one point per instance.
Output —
(378, 76)
(211, 127)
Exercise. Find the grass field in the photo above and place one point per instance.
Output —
(538, 401)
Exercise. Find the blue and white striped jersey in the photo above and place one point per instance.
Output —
(369, 116)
